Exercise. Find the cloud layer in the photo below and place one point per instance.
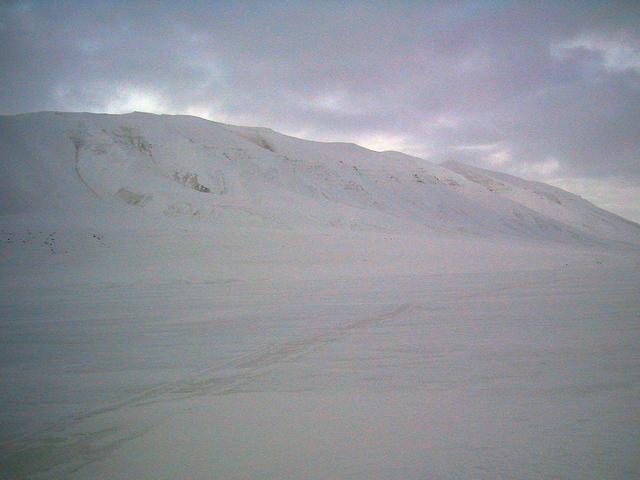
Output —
(545, 90)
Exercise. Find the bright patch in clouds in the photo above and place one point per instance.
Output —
(133, 99)
(212, 112)
(383, 142)
(199, 111)
(499, 157)
(619, 53)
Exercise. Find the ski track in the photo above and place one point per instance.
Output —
(251, 366)
(245, 370)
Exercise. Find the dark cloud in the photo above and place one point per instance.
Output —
(551, 89)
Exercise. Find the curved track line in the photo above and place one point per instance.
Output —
(246, 369)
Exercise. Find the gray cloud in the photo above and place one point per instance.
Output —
(549, 90)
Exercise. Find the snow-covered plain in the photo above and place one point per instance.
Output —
(186, 299)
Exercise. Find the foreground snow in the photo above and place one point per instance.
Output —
(294, 325)
(308, 363)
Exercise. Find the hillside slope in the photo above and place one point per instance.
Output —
(79, 167)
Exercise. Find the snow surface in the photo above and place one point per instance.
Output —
(186, 299)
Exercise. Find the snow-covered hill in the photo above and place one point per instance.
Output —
(185, 299)
(79, 167)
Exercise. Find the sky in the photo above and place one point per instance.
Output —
(547, 91)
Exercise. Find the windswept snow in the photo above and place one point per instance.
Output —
(187, 299)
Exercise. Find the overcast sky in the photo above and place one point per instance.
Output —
(544, 90)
